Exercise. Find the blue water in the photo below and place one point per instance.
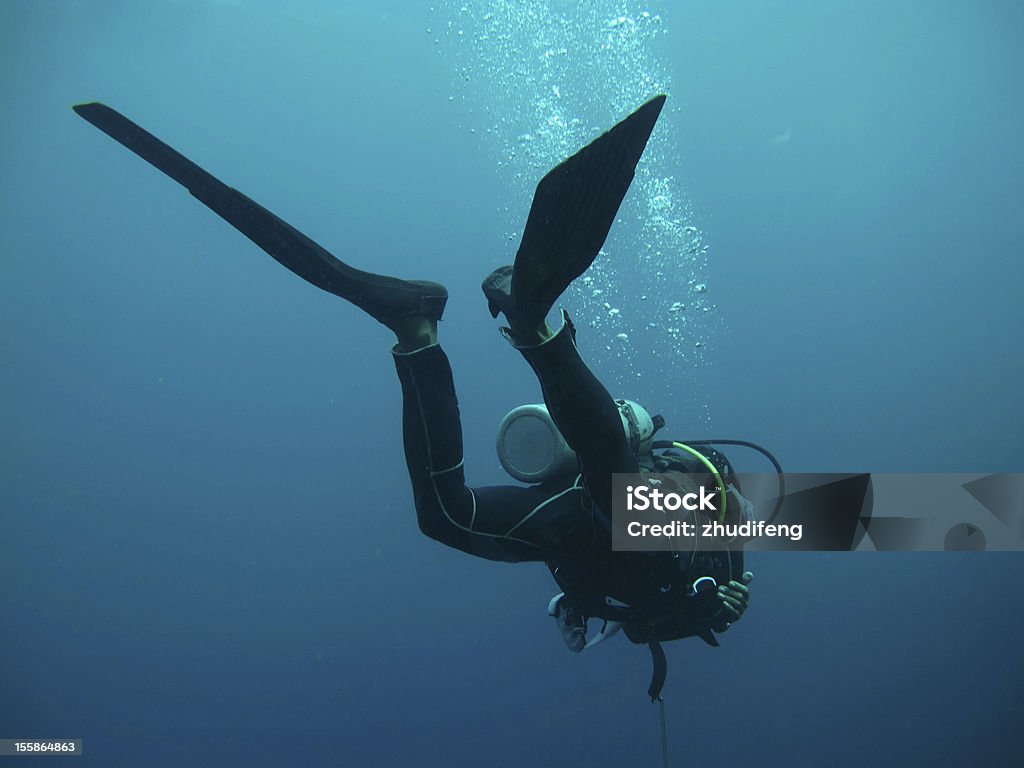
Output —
(208, 553)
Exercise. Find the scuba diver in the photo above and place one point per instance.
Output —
(568, 449)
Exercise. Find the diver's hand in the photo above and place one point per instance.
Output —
(735, 597)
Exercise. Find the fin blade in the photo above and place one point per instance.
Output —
(575, 206)
(147, 146)
(283, 242)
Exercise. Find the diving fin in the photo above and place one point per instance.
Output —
(384, 298)
(573, 210)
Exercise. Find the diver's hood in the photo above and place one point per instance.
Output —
(532, 450)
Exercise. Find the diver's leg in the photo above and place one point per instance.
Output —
(580, 406)
(582, 409)
(507, 523)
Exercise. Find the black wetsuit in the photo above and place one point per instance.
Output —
(566, 523)
(552, 522)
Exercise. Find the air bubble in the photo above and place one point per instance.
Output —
(549, 78)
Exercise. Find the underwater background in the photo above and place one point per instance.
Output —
(208, 550)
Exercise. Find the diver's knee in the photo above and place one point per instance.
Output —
(434, 524)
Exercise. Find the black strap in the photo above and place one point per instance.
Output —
(660, 670)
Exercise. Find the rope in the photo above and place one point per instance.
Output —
(664, 734)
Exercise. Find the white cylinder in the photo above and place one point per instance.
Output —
(530, 447)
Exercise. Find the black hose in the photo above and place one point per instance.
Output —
(660, 670)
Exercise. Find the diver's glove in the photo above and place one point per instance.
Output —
(735, 597)
(570, 622)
